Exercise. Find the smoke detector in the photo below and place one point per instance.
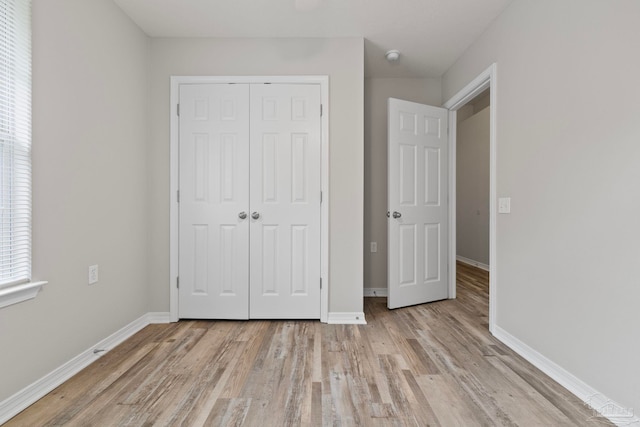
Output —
(392, 55)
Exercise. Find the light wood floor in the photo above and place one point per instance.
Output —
(427, 365)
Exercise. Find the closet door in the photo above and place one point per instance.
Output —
(285, 201)
(214, 199)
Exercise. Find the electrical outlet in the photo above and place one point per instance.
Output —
(374, 246)
(93, 274)
(504, 205)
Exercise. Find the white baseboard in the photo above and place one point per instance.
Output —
(158, 317)
(342, 318)
(376, 292)
(15, 404)
(469, 261)
(599, 403)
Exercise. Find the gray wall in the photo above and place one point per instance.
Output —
(101, 172)
(377, 91)
(343, 61)
(568, 156)
(472, 187)
(89, 186)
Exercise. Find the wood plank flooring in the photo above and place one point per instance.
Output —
(429, 365)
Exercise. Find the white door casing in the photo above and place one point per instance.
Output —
(418, 203)
(214, 191)
(285, 201)
(488, 79)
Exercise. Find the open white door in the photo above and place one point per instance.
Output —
(417, 203)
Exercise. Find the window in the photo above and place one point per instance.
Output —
(15, 152)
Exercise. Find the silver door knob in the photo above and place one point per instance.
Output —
(396, 214)
(255, 215)
(242, 215)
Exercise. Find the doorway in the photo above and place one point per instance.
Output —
(298, 111)
(472, 179)
(487, 80)
(249, 201)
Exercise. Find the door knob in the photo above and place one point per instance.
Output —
(242, 215)
(396, 214)
(255, 215)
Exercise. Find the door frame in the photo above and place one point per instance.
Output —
(485, 80)
(174, 150)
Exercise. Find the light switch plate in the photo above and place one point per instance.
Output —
(93, 274)
(504, 205)
(374, 246)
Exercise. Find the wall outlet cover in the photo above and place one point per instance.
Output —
(504, 205)
(93, 274)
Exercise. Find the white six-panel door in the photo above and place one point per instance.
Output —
(285, 201)
(418, 204)
(214, 192)
(249, 201)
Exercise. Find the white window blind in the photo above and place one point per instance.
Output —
(15, 142)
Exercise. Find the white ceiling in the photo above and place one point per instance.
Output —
(431, 34)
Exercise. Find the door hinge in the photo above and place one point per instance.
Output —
(178, 282)
(321, 283)
(320, 110)
(321, 197)
(178, 195)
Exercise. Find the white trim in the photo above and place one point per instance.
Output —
(376, 292)
(453, 200)
(15, 404)
(174, 185)
(157, 317)
(324, 213)
(590, 396)
(473, 263)
(487, 79)
(18, 293)
(346, 318)
(176, 81)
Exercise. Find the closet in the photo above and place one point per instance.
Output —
(249, 201)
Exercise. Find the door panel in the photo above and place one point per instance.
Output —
(407, 254)
(407, 175)
(285, 237)
(417, 185)
(432, 177)
(214, 189)
(431, 252)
